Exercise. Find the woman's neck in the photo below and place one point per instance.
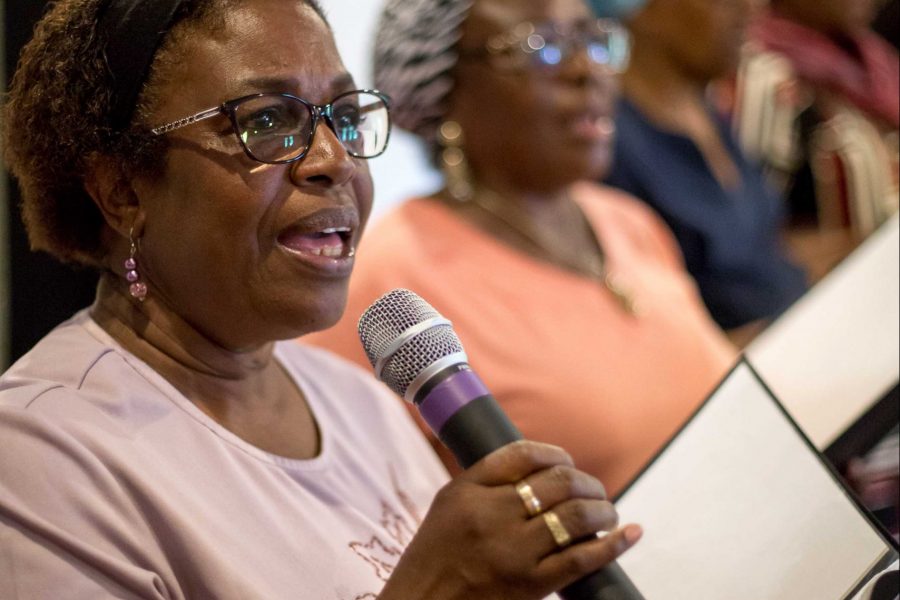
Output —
(547, 225)
(674, 100)
(506, 185)
(246, 392)
(652, 76)
(537, 210)
(153, 332)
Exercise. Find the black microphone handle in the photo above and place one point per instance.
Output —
(481, 427)
(476, 430)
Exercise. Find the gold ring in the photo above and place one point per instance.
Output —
(532, 503)
(557, 529)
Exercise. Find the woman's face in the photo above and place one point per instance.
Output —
(701, 37)
(247, 252)
(533, 129)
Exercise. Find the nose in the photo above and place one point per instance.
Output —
(327, 164)
(579, 69)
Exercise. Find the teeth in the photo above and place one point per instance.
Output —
(331, 230)
(331, 252)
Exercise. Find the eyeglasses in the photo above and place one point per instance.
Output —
(279, 128)
(545, 47)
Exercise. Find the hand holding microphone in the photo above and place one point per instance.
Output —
(520, 522)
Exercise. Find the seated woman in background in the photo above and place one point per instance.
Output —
(675, 152)
(817, 101)
(207, 157)
(570, 298)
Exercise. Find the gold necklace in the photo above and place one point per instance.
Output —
(596, 269)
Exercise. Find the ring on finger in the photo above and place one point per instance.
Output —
(557, 529)
(532, 503)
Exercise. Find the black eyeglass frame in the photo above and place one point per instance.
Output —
(317, 111)
(517, 39)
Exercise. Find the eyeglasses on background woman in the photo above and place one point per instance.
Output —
(545, 47)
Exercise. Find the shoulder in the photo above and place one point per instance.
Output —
(617, 215)
(406, 238)
(406, 221)
(77, 393)
(406, 247)
(65, 408)
(610, 205)
(75, 360)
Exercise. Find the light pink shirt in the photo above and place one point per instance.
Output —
(113, 484)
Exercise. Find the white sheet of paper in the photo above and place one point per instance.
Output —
(739, 507)
(837, 350)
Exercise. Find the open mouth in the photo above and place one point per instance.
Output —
(330, 242)
(593, 127)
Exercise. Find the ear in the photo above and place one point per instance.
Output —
(114, 195)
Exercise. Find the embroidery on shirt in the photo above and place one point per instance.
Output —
(382, 554)
(407, 502)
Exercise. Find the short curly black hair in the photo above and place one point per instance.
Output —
(57, 117)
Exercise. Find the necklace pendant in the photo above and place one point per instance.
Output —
(623, 296)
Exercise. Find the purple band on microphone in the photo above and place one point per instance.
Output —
(449, 396)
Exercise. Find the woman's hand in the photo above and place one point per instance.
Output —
(480, 540)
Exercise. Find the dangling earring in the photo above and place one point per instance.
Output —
(453, 162)
(137, 289)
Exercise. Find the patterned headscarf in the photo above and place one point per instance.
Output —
(415, 52)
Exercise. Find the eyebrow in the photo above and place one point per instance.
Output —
(340, 83)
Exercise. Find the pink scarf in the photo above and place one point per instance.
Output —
(871, 81)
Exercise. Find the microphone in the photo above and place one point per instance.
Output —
(416, 353)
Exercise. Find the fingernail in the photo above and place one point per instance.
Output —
(633, 533)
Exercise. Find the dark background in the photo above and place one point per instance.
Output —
(42, 292)
(888, 22)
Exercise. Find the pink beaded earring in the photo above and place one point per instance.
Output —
(137, 289)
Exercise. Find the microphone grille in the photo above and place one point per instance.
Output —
(387, 320)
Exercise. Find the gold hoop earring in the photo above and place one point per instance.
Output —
(454, 165)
